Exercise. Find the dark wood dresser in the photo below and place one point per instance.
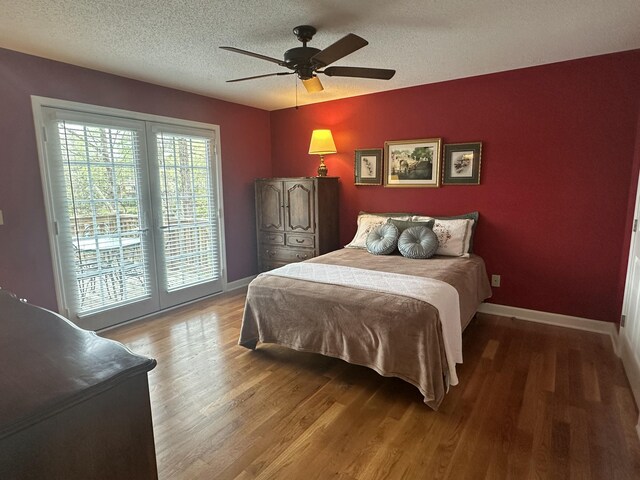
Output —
(296, 219)
(73, 405)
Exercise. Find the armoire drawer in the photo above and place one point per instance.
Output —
(285, 254)
(272, 238)
(301, 240)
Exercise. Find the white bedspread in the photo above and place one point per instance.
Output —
(435, 292)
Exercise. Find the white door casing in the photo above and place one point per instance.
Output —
(629, 335)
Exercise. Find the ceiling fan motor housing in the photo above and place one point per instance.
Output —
(298, 59)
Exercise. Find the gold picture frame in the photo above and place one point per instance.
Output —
(412, 163)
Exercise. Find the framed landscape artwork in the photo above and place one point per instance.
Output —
(462, 163)
(412, 163)
(368, 167)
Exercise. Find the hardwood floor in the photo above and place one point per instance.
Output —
(534, 401)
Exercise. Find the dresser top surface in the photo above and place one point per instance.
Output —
(48, 364)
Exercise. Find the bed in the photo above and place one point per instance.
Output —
(395, 335)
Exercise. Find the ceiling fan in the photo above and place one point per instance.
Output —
(307, 62)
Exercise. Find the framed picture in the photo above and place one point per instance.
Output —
(462, 163)
(368, 167)
(412, 163)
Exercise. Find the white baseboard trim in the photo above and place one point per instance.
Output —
(236, 284)
(557, 319)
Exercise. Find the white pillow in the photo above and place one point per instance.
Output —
(454, 236)
(366, 223)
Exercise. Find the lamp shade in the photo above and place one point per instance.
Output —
(322, 142)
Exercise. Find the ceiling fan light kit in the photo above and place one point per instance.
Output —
(306, 62)
(313, 84)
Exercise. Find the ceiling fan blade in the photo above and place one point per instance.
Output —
(256, 55)
(259, 76)
(359, 72)
(313, 85)
(343, 47)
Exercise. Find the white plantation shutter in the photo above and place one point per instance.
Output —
(189, 212)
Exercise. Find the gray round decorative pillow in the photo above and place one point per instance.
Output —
(383, 239)
(418, 242)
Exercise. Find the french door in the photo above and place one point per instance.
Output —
(134, 213)
(186, 220)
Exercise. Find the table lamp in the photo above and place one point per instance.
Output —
(322, 144)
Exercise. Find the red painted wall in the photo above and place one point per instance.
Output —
(25, 262)
(558, 151)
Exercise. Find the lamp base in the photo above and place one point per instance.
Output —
(322, 169)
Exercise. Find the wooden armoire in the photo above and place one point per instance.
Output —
(296, 219)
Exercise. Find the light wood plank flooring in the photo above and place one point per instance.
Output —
(534, 401)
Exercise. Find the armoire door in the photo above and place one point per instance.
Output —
(299, 206)
(270, 206)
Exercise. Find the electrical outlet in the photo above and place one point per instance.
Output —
(495, 280)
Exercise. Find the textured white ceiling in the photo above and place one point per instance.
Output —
(175, 42)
